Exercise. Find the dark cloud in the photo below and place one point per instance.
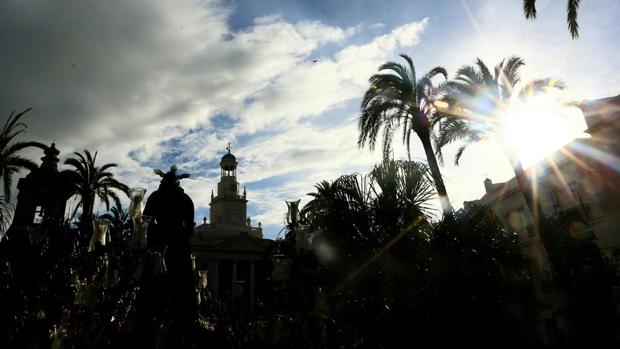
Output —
(90, 69)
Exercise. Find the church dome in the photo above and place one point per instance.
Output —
(228, 162)
(229, 156)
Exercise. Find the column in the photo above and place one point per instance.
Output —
(234, 270)
(252, 287)
(232, 286)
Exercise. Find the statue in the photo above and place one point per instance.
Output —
(170, 228)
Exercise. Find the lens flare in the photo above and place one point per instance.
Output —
(536, 127)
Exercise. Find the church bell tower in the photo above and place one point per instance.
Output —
(229, 208)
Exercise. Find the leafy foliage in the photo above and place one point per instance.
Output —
(90, 181)
(476, 100)
(6, 215)
(394, 275)
(117, 215)
(10, 161)
(397, 99)
(572, 11)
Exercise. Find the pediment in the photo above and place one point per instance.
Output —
(243, 242)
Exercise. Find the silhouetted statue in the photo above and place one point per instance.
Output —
(172, 224)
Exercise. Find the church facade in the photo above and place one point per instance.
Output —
(232, 251)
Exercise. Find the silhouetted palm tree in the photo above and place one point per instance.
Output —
(472, 268)
(369, 225)
(477, 101)
(572, 9)
(90, 181)
(372, 208)
(388, 265)
(116, 216)
(10, 161)
(399, 100)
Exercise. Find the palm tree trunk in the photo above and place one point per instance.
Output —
(87, 215)
(436, 174)
(526, 189)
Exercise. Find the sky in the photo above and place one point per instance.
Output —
(149, 84)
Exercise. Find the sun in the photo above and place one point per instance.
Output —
(538, 126)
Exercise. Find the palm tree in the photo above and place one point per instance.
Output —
(472, 268)
(399, 99)
(369, 226)
(90, 181)
(117, 215)
(572, 8)
(435, 275)
(476, 104)
(116, 218)
(10, 161)
(361, 214)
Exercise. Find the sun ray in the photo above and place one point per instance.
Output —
(569, 154)
(609, 160)
(558, 173)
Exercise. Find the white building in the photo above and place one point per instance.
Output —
(232, 251)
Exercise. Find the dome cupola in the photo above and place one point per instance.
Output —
(228, 164)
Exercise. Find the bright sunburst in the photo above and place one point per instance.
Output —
(538, 126)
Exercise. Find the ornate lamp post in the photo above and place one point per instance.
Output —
(140, 226)
(100, 235)
(136, 195)
(202, 279)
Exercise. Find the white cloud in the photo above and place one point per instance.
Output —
(311, 88)
(378, 25)
(123, 77)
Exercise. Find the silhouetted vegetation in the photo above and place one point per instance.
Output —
(368, 262)
(90, 181)
(572, 11)
(395, 277)
(399, 100)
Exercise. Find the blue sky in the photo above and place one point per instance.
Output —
(150, 84)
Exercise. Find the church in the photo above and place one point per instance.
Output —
(231, 250)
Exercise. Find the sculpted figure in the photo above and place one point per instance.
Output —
(171, 225)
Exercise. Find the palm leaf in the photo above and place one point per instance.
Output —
(510, 74)
(540, 85)
(529, 8)
(571, 17)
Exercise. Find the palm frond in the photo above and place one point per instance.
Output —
(459, 153)
(484, 72)
(412, 72)
(11, 122)
(438, 71)
(19, 162)
(469, 75)
(371, 120)
(18, 146)
(6, 215)
(571, 17)
(510, 74)
(106, 167)
(90, 181)
(400, 70)
(497, 71)
(529, 8)
(541, 85)
(7, 181)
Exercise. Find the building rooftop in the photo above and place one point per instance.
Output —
(600, 112)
